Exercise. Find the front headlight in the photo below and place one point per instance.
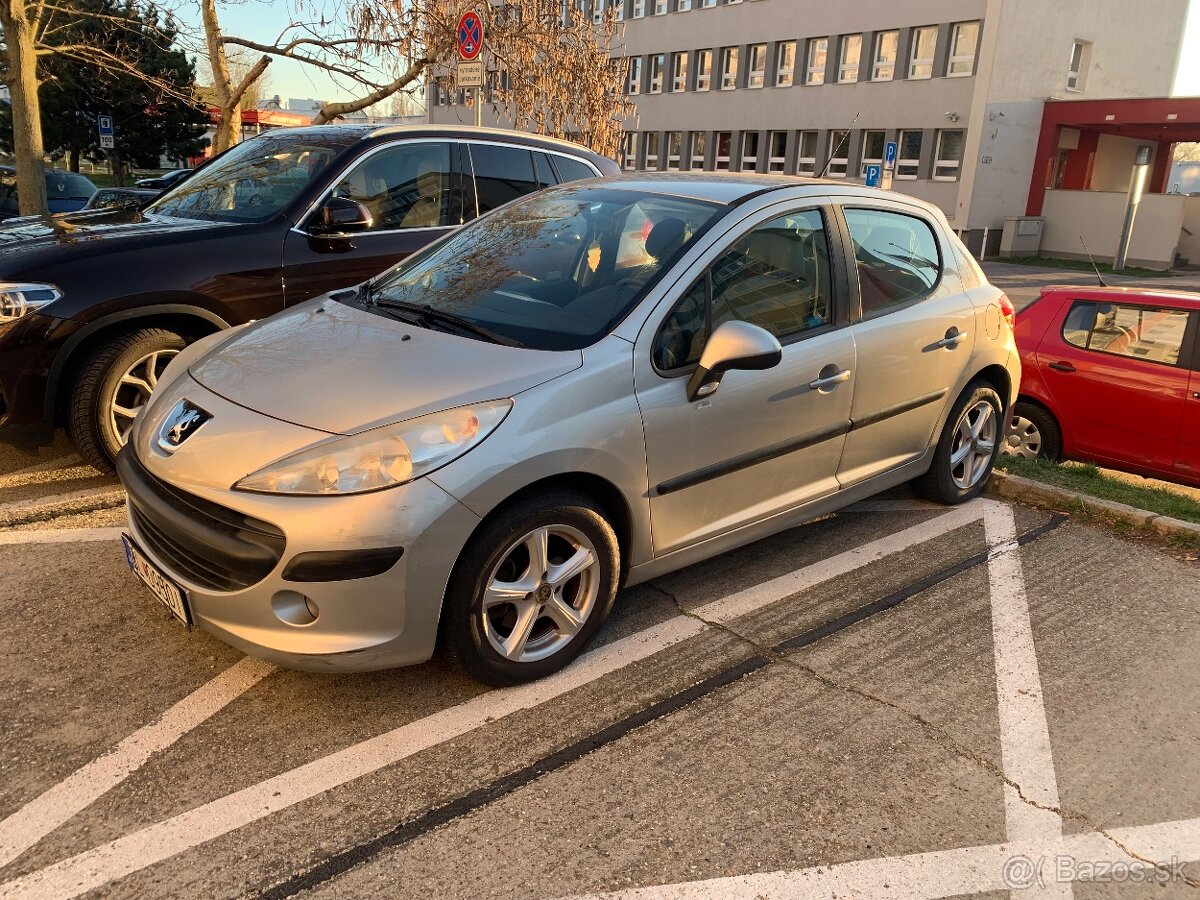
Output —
(381, 458)
(17, 299)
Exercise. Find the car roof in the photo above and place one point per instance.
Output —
(364, 132)
(1185, 299)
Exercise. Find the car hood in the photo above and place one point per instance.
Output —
(331, 367)
(92, 230)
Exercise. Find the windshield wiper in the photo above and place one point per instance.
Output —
(429, 314)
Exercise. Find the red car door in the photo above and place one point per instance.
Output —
(1118, 381)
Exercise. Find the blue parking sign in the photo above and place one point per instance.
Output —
(874, 174)
(104, 124)
(889, 155)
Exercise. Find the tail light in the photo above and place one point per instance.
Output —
(1008, 311)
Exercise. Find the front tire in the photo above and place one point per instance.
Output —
(531, 589)
(966, 450)
(113, 385)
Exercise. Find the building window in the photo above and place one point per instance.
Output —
(806, 153)
(674, 150)
(698, 147)
(707, 4)
(629, 151)
(724, 144)
(729, 68)
(652, 141)
(757, 75)
(948, 160)
(749, 151)
(1077, 69)
(884, 67)
(635, 75)
(683, 5)
(785, 63)
(848, 57)
(638, 9)
(818, 50)
(703, 70)
(679, 72)
(838, 160)
(908, 155)
(872, 150)
(657, 64)
(924, 45)
(661, 7)
(962, 49)
(777, 160)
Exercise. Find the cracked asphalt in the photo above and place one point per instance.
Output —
(895, 701)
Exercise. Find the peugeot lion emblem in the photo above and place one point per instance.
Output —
(180, 424)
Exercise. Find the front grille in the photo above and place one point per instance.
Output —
(203, 542)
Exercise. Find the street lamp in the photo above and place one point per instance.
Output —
(1137, 184)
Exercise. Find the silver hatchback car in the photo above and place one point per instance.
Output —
(585, 389)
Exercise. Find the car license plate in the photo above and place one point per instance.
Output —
(168, 593)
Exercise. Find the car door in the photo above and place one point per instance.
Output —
(765, 441)
(913, 336)
(1119, 380)
(414, 190)
(1187, 454)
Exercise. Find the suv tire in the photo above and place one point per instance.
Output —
(129, 364)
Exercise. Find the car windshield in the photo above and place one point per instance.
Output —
(68, 186)
(253, 181)
(555, 271)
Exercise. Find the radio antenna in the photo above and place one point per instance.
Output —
(1095, 268)
(838, 148)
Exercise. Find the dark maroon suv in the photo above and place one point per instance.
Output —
(94, 304)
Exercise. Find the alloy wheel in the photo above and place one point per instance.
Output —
(541, 593)
(1023, 438)
(973, 446)
(134, 389)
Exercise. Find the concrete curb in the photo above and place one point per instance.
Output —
(1035, 493)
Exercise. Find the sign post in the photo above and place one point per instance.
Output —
(470, 66)
(889, 165)
(104, 125)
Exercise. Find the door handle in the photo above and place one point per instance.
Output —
(818, 384)
(1062, 367)
(953, 338)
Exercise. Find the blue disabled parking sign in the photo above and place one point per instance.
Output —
(874, 174)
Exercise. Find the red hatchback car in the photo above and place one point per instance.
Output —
(1111, 376)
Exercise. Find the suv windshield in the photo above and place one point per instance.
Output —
(556, 271)
(68, 186)
(253, 181)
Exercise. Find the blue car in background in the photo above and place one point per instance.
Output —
(67, 191)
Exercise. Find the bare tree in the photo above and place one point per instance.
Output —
(34, 30)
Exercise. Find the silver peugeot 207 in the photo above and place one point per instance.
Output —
(585, 389)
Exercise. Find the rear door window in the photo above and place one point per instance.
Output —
(501, 174)
(1155, 334)
(897, 257)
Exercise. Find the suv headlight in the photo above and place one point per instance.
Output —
(382, 457)
(17, 300)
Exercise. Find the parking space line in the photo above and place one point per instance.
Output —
(60, 536)
(1024, 733)
(42, 815)
(135, 851)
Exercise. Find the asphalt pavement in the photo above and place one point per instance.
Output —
(900, 700)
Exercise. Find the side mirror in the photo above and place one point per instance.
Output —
(734, 345)
(340, 216)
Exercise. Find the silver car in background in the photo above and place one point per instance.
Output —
(585, 389)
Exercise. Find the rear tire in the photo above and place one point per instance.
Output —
(113, 383)
(508, 623)
(967, 448)
(1032, 433)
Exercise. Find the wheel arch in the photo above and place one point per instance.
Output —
(193, 322)
(999, 378)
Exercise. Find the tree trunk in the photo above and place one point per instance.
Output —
(229, 120)
(27, 121)
(73, 160)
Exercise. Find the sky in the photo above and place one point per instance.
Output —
(263, 21)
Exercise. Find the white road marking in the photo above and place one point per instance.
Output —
(60, 536)
(98, 866)
(942, 873)
(42, 815)
(1024, 733)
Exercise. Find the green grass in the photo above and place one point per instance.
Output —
(1083, 265)
(1087, 479)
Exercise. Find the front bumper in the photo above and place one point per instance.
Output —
(374, 622)
(28, 348)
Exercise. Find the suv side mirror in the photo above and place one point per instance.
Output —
(734, 345)
(339, 215)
